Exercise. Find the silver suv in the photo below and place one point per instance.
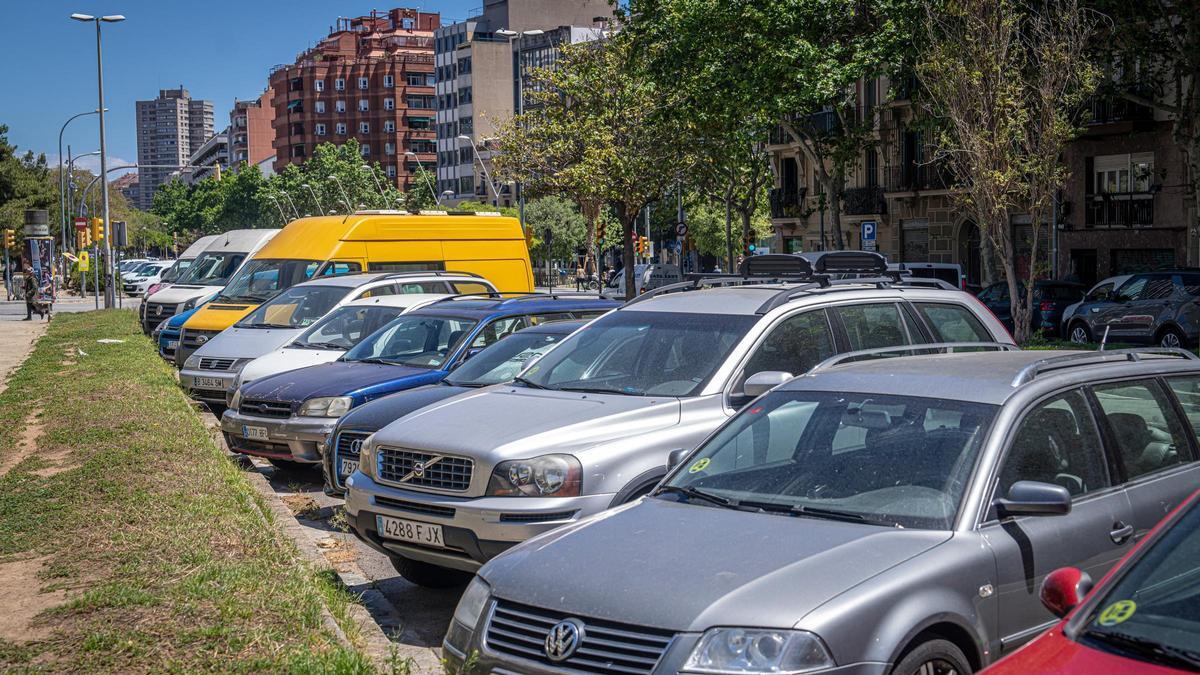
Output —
(592, 423)
(886, 516)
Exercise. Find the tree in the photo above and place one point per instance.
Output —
(1004, 78)
(421, 195)
(733, 169)
(563, 220)
(25, 183)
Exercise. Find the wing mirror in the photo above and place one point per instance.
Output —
(761, 382)
(1063, 590)
(676, 457)
(1032, 498)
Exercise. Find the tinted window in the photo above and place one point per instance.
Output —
(994, 293)
(212, 269)
(412, 287)
(296, 307)
(259, 280)
(1187, 392)
(1157, 288)
(345, 327)
(1147, 434)
(873, 326)
(1191, 284)
(502, 361)
(1101, 292)
(337, 269)
(1057, 443)
(497, 330)
(413, 340)
(794, 346)
(953, 323)
(406, 266)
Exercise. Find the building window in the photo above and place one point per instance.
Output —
(318, 85)
(464, 95)
(466, 185)
(339, 84)
(389, 81)
(391, 171)
(464, 65)
(340, 128)
(1123, 173)
(364, 127)
(406, 23)
(420, 79)
(320, 130)
(364, 149)
(466, 125)
(389, 148)
(871, 165)
(389, 126)
(339, 106)
(419, 101)
(363, 106)
(363, 83)
(466, 155)
(297, 151)
(389, 104)
(319, 106)
(422, 146)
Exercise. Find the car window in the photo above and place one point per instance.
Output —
(539, 319)
(345, 327)
(794, 346)
(589, 314)
(995, 293)
(953, 323)
(1157, 288)
(411, 287)
(498, 330)
(1100, 292)
(377, 291)
(470, 287)
(874, 326)
(501, 362)
(296, 307)
(1132, 289)
(1187, 392)
(413, 340)
(1059, 292)
(1147, 434)
(1057, 443)
(337, 269)
(1191, 284)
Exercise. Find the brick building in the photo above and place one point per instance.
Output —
(371, 79)
(251, 130)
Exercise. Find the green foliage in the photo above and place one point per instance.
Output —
(561, 217)
(25, 183)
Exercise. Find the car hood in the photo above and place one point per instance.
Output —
(247, 343)
(182, 293)
(688, 567)
(377, 414)
(285, 359)
(340, 378)
(508, 421)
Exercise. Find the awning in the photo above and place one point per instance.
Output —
(292, 105)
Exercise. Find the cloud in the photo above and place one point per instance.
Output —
(92, 164)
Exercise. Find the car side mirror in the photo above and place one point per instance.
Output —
(1063, 590)
(676, 457)
(1033, 498)
(761, 382)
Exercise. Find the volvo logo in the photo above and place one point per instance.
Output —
(564, 638)
(418, 469)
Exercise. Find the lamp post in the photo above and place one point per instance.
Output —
(63, 202)
(483, 167)
(378, 185)
(345, 195)
(278, 206)
(513, 35)
(109, 295)
(71, 169)
(320, 209)
(437, 199)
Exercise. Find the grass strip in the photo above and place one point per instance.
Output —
(159, 549)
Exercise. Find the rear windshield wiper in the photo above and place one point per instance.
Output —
(1145, 647)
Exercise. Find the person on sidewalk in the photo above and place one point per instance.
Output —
(31, 289)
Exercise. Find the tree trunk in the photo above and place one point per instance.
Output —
(836, 185)
(591, 213)
(628, 224)
(729, 228)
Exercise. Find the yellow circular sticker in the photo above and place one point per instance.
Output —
(699, 466)
(1118, 612)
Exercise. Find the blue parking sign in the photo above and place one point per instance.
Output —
(868, 235)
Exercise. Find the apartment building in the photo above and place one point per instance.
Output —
(477, 81)
(251, 130)
(371, 79)
(204, 162)
(169, 129)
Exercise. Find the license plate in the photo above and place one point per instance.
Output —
(210, 383)
(172, 344)
(410, 531)
(255, 433)
(348, 466)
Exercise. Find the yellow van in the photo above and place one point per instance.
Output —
(487, 244)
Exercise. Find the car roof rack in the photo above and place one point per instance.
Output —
(481, 295)
(946, 347)
(1052, 363)
(428, 273)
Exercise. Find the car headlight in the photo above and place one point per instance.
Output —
(748, 651)
(192, 361)
(326, 406)
(545, 476)
(236, 401)
(159, 329)
(190, 304)
(473, 601)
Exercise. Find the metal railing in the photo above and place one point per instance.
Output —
(786, 202)
(1126, 209)
(863, 201)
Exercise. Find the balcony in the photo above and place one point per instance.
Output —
(787, 202)
(863, 201)
(913, 177)
(1119, 209)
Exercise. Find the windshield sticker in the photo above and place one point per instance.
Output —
(699, 466)
(1118, 612)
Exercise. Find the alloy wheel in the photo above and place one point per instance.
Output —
(1079, 335)
(937, 666)
(1170, 339)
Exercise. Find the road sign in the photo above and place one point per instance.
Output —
(81, 223)
(869, 230)
(84, 261)
(681, 229)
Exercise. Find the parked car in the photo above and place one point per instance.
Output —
(167, 333)
(181, 266)
(1142, 618)
(1074, 327)
(1160, 308)
(287, 417)
(951, 273)
(136, 283)
(1050, 298)
(893, 515)
(591, 424)
(498, 363)
(646, 277)
(209, 372)
(135, 271)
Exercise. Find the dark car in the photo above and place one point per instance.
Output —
(1160, 308)
(287, 417)
(498, 363)
(1050, 298)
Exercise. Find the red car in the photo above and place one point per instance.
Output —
(1143, 617)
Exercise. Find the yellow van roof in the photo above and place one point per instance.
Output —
(324, 233)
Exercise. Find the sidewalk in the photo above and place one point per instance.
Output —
(16, 341)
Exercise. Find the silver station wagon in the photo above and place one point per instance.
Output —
(895, 515)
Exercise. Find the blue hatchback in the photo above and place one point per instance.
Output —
(287, 417)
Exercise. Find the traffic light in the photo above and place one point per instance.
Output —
(749, 243)
(644, 245)
(529, 237)
(97, 230)
(10, 239)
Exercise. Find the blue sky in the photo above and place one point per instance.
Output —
(217, 49)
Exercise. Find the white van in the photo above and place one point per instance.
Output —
(207, 275)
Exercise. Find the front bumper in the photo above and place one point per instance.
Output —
(168, 342)
(475, 529)
(298, 439)
(209, 386)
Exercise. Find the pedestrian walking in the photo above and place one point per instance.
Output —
(30, 287)
(579, 280)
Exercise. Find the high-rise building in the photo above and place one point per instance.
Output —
(251, 130)
(477, 80)
(370, 79)
(204, 162)
(170, 128)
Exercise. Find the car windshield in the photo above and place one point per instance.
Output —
(259, 280)
(296, 307)
(212, 269)
(421, 340)
(503, 360)
(900, 461)
(177, 270)
(1152, 611)
(642, 354)
(345, 327)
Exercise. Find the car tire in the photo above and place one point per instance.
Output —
(427, 575)
(935, 657)
(1079, 333)
(1171, 337)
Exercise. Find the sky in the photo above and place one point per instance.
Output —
(217, 49)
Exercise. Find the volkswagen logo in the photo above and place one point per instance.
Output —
(564, 638)
(418, 469)
(356, 446)
(201, 339)
(157, 310)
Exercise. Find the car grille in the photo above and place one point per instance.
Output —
(157, 312)
(276, 409)
(447, 473)
(607, 646)
(416, 507)
(536, 517)
(344, 448)
(216, 364)
(191, 339)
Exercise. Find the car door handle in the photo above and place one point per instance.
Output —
(1121, 533)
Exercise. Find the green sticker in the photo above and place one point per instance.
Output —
(1118, 612)
(699, 466)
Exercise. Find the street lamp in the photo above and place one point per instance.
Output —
(109, 294)
(63, 204)
(483, 167)
(71, 167)
(511, 35)
(345, 195)
(320, 209)
(436, 198)
(378, 185)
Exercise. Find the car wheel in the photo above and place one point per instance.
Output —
(1080, 334)
(1171, 337)
(429, 576)
(936, 657)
